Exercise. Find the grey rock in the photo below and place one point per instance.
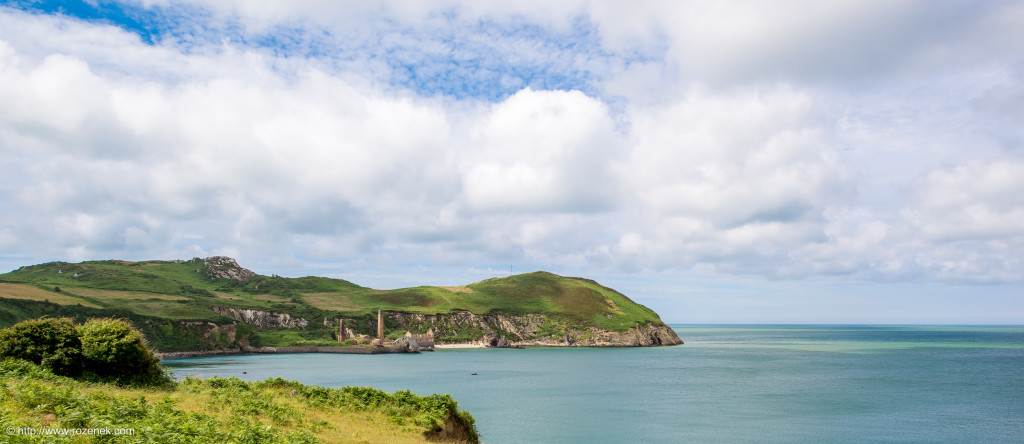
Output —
(407, 343)
(261, 319)
(223, 267)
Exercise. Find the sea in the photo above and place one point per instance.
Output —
(726, 384)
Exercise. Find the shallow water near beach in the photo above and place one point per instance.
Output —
(726, 384)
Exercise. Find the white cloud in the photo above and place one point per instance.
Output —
(542, 151)
(977, 201)
(722, 176)
(960, 224)
(853, 42)
(710, 43)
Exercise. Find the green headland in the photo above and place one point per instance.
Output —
(215, 304)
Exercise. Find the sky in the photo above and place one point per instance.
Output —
(720, 162)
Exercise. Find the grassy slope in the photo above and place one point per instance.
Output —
(173, 291)
(218, 410)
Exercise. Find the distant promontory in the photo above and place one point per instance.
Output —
(215, 305)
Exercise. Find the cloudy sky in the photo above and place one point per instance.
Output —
(724, 162)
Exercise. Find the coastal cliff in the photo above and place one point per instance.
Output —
(531, 330)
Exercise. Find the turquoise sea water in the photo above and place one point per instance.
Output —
(726, 384)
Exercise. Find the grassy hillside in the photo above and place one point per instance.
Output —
(57, 377)
(166, 298)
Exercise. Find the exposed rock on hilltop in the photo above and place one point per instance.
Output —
(223, 267)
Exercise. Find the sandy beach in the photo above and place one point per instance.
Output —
(459, 346)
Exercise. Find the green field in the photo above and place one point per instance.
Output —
(36, 293)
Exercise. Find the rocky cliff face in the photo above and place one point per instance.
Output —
(261, 319)
(223, 267)
(648, 335)
(530, 330)
(535, 330)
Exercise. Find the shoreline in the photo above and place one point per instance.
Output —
(303, 349)
(355, 350)
(457, 346)
(351, 350)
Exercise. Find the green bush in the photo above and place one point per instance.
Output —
(114, 350)
(51, 343)
(104, 349)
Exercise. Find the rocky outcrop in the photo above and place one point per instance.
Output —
(261, 319)
(648, 335)
(456, 428)
(530, 330)
(407, 343)
(223, 267)
(495, 341)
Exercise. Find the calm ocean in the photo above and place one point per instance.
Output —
(728, 384)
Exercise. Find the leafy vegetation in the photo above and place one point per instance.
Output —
(222, 410)
(52, 343)
(114, 350)
(36, 392)
(103, 349)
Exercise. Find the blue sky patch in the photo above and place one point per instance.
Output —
(446, 56)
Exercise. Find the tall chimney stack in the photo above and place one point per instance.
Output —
(380, 325)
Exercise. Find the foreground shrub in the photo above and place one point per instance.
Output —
(103, 349)
(114, 350)
(51, 343)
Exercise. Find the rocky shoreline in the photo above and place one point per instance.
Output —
(488, 330)
(366, 350)
(529, 330)
(350, 350)
(495, 331)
